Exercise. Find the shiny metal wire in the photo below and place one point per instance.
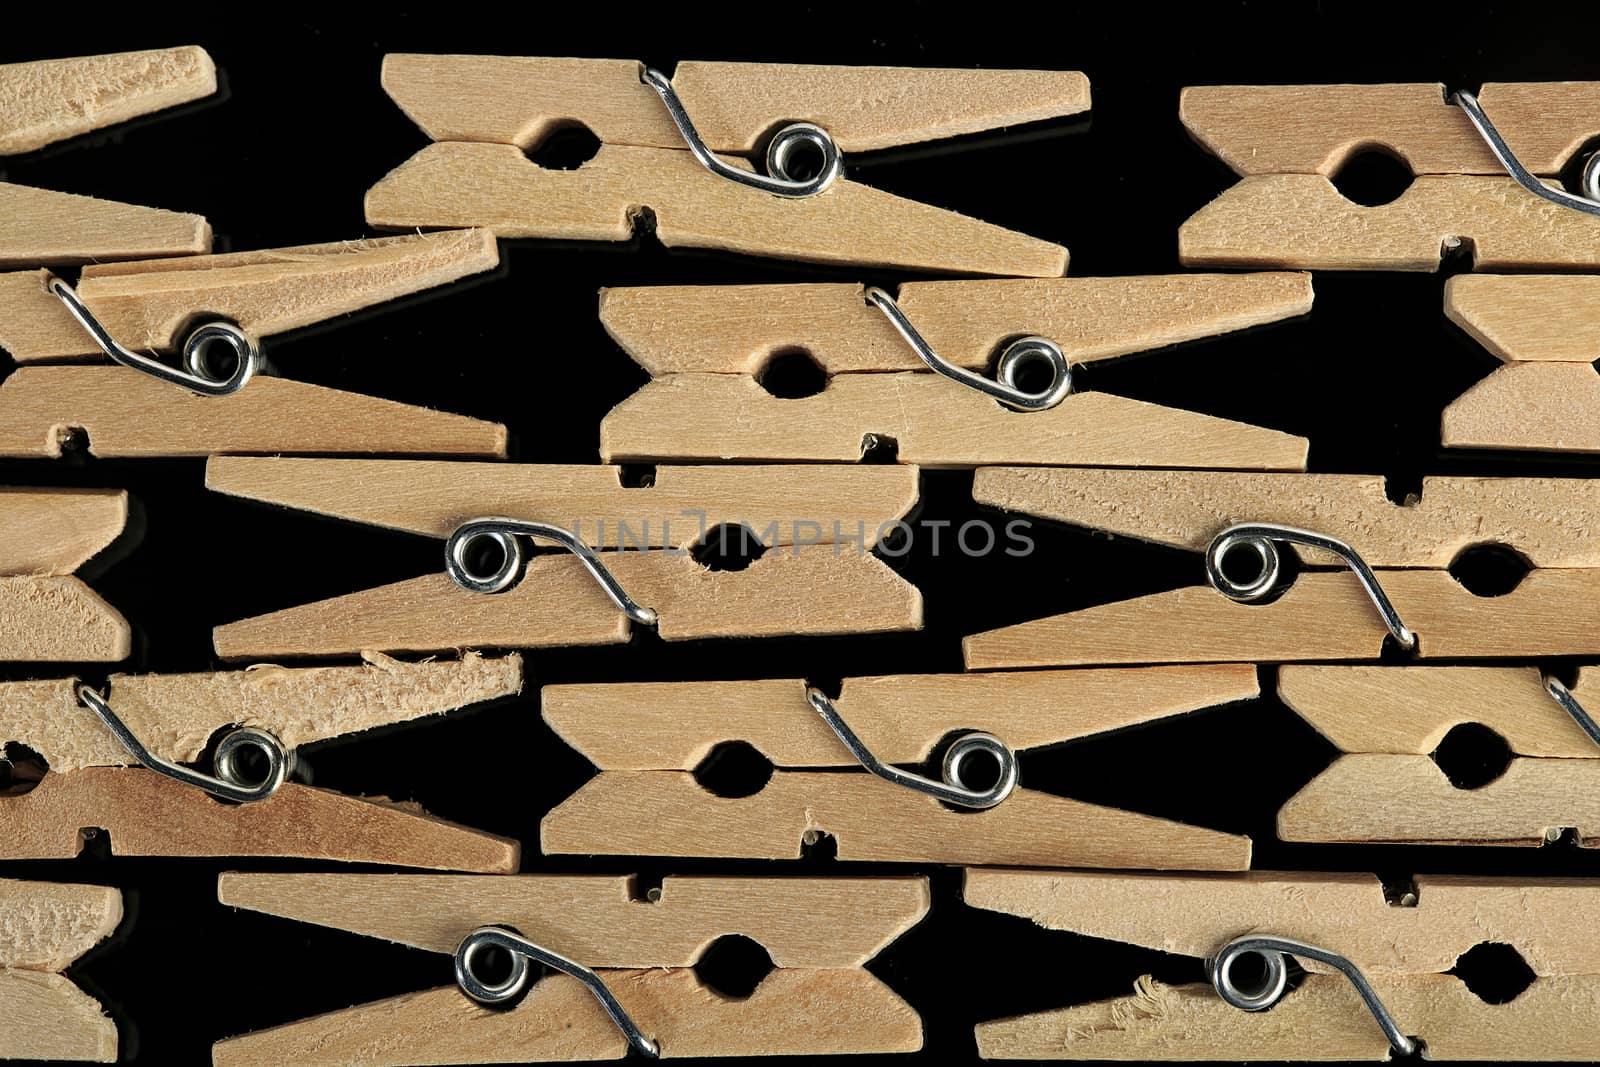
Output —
(953, 790)
(1017, 355)
(1262, 538)
(780, 150)
(196, 375)
(229, 783)
(505, 534)
(522, 951)
(1570, 705)
(1274, 952)
(1589, 204)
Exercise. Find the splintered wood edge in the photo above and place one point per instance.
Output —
(53, 532)
(59, 620)
(53, 99)
(597, 918)
(49, 1018)
(44, 926)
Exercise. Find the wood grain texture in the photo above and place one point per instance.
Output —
(736, 329)
(1545, 124)
(53, 532)
(496, 186)
(49, 1018)
(44, 926)
(1540, 406)
(1323, 1020)
(175, 716)
(1391, 798)
(1550, 521)
(128, 413)
(800, 504)
(42, 228)
(1320, 617)
(152, 305)
(50, 100)
(1542, 317)
(870, 819)
(1302, 221)
(148, 814)
(935, 423)
(814, 590)
(1411, 709)
(901, 718)
(1197, 914)
(596, 919)
(735, 106)
(792, 1012)
(59, 620)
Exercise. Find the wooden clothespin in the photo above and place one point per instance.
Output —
(649, 739)
(162, 809)
(656, 155)
(145, 408)
(1404, 952)
(1546, 329)
(53, 99)
(1389, 785)
(1477, 166)
(638, 954)
(816, 576)
(708, 348)
(44, 927)
(47, 614)
(1247, 613)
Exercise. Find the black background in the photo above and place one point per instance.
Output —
(283, 155)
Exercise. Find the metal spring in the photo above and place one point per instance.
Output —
(1262, 538)
(521, 950)
(504, 534)
(1588, 204)
(780, 150)
(1569, 703)
(196, 374)
(1273, 952)
(952, 790)
(229, 783)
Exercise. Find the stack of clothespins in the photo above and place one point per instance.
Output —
(133, 339)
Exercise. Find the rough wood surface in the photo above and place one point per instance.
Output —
(1304, 129)
(1542, 317)
(42, 228)
(934, 422)
(152, 305)
(148, 814)
(49, 1018)
(59, 620)
(1320, 617)
(496, 186)
(44, 926)
(900, 718)
(871, 819)
(1302, 221)
(735, 106)
(53, 532)
(1324, 1019)
(1550, 521)
(126, 412)
(1197, 914)
(596, 919)
(176, 715)
(1411, 709)
(1542, 406)
(50, 100)
(800, 504)
(814, 590)
(792, 1012)
(1390, 798)
(736, 329)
